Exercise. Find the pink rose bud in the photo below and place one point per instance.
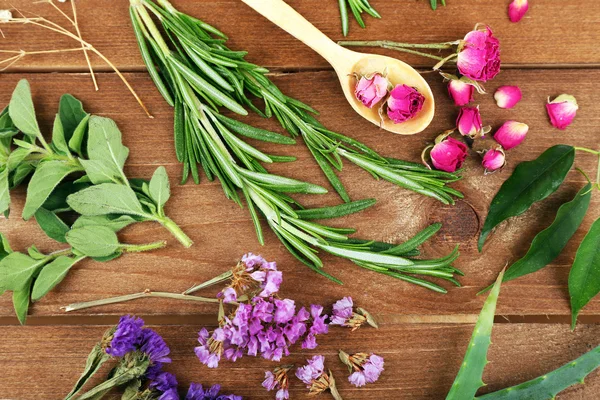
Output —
(517, 10)
(448, 155)
(508, 96)
(371, 91)
(460, 91)
(479, 55)
(469, 122)
(404, 103)
(562, 110)
(494, 159)
(511, 134)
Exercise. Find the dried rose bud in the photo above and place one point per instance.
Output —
(517, 10)
(404, 103)
(448, 154)
(460, 92)
(469, 122)
(479, 55)
(562, 110)
(508, 96)
(511, 134)
(494, 159)
(371, 90)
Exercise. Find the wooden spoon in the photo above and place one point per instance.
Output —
(347, 62)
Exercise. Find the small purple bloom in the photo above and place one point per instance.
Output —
(312, 371)
(153, 371)
(342, 311)
(229, 295)
(368, 368)
(358, 379)
(285, 310)
(203, 352)
(272, 283)
(164, 382)
(124, 339)
(269, 383)
(250, 260)
(196, 392)
(152, 344)
(170, 394)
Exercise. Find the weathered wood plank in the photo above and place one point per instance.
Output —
(222, 232)
(553, 32)
(423, 367)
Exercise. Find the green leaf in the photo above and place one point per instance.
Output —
(51, 224)
(21, 110)
(469, 378)
(336, 211)
(4, 247)
(51, 275)
(21, 301)
(584, 278)
(57, 201)
(106, 152)
(19, 174)
(94, 361)
(532, 181)
(35, 253)
(17, 270)
(45, 178)
(16, 158)
(549, 243)
(106, 198)
(160, 189)
(71, 114)
(280, 183)
(113, 222)
(547, 386)
(4, 191)
(58, 137)
(94, 241)
(76, 141)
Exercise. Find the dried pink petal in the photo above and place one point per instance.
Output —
(460, 92)
(511, 134)
(508, 96)
(517, 10)
(469, 122)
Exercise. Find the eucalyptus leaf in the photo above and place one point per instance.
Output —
(532, 181)
(22, 111)
(113, 222)
(71, 113)
(159, 187)
(106, 198)
(45, 178)
(51, 224)
(94, 241)
(51, 275)
(584, 278)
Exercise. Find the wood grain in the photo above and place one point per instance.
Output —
(421, 361)
(554, 32)
(222, 232)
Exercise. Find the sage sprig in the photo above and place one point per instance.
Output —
(219, 76)
(79, 173)
(198, 74)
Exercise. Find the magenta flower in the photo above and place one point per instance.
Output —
(479, 55)
(469, 122)
(371, 91)
(404, 103)
(511, 134)
(448, 154)
(562, 111)
(517, 10)
(494, 159)
(278, 379)
(364, 368)
(460, 92)
(508, 96)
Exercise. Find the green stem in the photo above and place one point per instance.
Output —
(218, 279)
(138, 248)
(390, 44)
(151, 26)
(587, 150)
(175, 230)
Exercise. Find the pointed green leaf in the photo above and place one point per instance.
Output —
(51, 275)
(21, 110)
(21, 301)
(16, 158)
(4, 247)
(71, 114)
(17, 269)
(4, 191)
(105, 147)
(93, 241)
(51, 224)
(58, 137)
(106, 198)
(336, 211)
(584, 278)
(532, 181)
(469, 378)
(45, 178)
(159, 187)
(113, 222)
(76, 141)
(57, 201)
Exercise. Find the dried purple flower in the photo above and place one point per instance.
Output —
(344, 315)
(152, 344)
(170, 394)
(126, 334)
(210, 350)
(163, 382)
(314, 376)
(364, 368)
(278, 379)
(254, 276)
(196, 392)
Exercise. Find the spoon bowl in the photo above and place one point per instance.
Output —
(347, 63)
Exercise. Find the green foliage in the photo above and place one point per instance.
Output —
(93, 241)
(357, 7)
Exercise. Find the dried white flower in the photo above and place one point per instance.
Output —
(5, 15)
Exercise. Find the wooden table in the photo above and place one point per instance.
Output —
(423, 335)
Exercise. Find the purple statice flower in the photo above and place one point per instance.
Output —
(208, 355)
(153, 345)
(278, 379)
(170, 394)
(311, 371)
(229, 295)
(367, 368)
(253, 276)
(196, 392)
(342, 311)
(153, 371)
(285, 310)
(126, 334)
(250, 260)
(318, 327)
(163, 382)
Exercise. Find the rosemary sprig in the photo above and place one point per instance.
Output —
(204, 136)
(357, 7)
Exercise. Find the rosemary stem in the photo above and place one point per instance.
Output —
(217, 279)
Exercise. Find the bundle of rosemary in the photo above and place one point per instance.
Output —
(197, 74)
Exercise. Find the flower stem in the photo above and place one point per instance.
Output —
(134, 296)
(217, 279)
(138, 248)
(175, 231)
(390, 44)
(587, 150)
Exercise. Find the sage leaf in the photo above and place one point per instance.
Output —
(159, 187)
(94, 241)
(532, 181)
(21, 301)
(19, 174)
(16, 158)
(58, 137)
(45, 178)
(71, 113)
(549, 243)
(584, 278)
(4, 247)
(51, 275)
(35, 253)
(17, 269)
(51, 224)
(76, 141)
(7, 128)
(106, 198)
(113, 222)
(4, 191)
(21, 110)
(105, 148)
(549, 385)
(57, 201)
(469, 378)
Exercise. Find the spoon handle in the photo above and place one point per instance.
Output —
(288, 19)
